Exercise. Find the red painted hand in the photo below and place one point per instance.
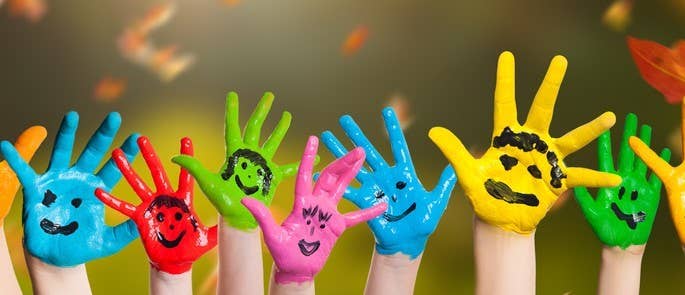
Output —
(171, 232)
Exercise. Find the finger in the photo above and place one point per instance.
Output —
(373, 157)
(117, 237)
(137, 184)
(605, 157)
(446, 182)
(583, 135)
(626, 156)
(659, 167)
(254, 124)
(585, 200)
(654, 179)
(398, 143)
(185, 179)
(505, 97)
(232, 128)
(335, 178)
(356, 217)
(110, 173)
(646, 137)
(303, 182)
(578, 176)
(64, 142)
(274, 141)
(115, 203)
(99, 143)
(452, 148)
(540, 114)
(157, 172)
(24, 172)
(263, 216)
(26, 145)
(338, 150)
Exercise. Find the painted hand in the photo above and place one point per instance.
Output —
(413, 212)
(673, 178)
(302, 244)
(173, 235)
(522, 174)
(63, 221)
(27, 144)
(623, 216)
(248, 170)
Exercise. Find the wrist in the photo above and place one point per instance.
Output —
(171, 267)
(620, 270)
(413, 248)
(241, 223)
(285, 278)
(162, 282)
(392, 274)
(50, 279)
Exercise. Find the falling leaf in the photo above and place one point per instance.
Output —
(174, 66)
(355, 40)
(155, 17)
(661, 67)
(617, 16)
(402, 109)
(231, 3)
(675, 142)
(32, 10)
(109, 89)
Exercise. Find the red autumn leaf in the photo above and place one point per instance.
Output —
(355, 40)
(663, 68)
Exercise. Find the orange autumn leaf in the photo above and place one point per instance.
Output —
(662, 67)
(617, 16)
(109, 89)
(231, 3)
(402, 109)
(355, 40)
(32, 10)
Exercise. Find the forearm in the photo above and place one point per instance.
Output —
(392, 274)
(172, 284)
(505, 261)
(8, 280)
(49, 279)
(240, 261)
(620, 271)
(303, 288)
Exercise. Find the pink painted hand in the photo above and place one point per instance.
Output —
(302, 244)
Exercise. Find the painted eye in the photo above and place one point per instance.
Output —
(76, 202)
(633, 195)
(49, 198)
(322, 226)
(400, 184)
(534, 171)
(244, 165)
(379, 194)
(309, 222)
(260, 172)
(160, 217)
(621, 192)
(178, 216)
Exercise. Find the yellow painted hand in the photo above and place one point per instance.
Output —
(672, 177)
(521, 175)
(27, 144)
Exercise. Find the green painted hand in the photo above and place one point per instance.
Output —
(248, 170)
(623, 216)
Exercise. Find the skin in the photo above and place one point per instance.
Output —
(673, 179)
(173, 235)
(637, 198)
(27, 144)
(301, 245)
(63, 196)
(509, 201)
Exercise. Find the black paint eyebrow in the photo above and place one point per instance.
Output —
(310, 211)
(324, 216)
(49, 198)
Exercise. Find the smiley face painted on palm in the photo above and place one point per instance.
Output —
(528, 146)
(249, 172)
(315, 219)
(635, 216)
(172, 220)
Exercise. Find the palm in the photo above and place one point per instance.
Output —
(249, 169)
(63, 221)
(413, 212)
(522, 173)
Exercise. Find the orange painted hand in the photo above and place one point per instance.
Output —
(523, 173)
(27, 144)
(672, 177)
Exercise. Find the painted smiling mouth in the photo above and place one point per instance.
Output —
(631, 219)
(248, 190)
(170, 244)
(393, 218)
(308, 248)
(50, 227)
(502, 191)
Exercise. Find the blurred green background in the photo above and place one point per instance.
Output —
(439, 55)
